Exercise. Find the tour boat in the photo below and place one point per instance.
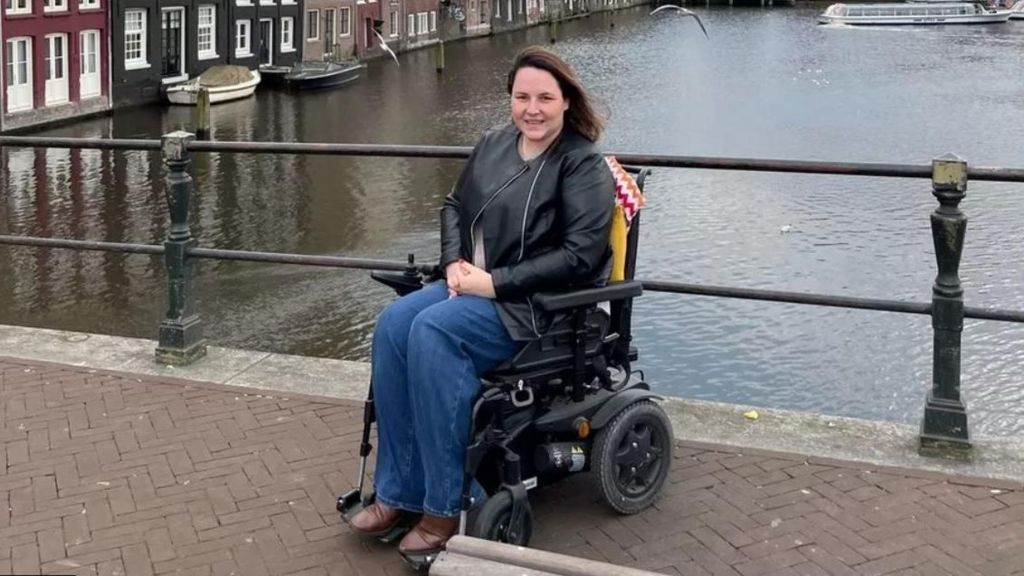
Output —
(1017, 11)
(913, 13)
(223, 83)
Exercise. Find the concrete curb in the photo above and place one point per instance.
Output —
(819, 437)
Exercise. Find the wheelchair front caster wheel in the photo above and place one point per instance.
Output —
(632, 454)
(494, 521)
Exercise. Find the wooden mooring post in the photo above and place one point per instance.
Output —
(202, 114)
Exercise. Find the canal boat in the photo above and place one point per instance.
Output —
(919, 13)
(273, 76)
(1017, 11)
(316, 75)
(223, 83)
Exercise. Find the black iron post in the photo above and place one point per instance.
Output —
(944, 427)
(181, 332)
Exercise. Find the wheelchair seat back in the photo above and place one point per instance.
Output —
(553, 353)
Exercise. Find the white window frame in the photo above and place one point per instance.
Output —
(288, 34)
(410, 25)
(497, 9)
(423, 24)
(266, 2)
(246, 26)
(82, 34)
(433, 20)
(288, 2)
(88, 4)
(210, 52)
(269, 42)
(142, 60)
(393, 24)
(29, 75)
(182, 74)
(64, 69)
(18, 7)
(55, 6)
(243, 2)
(310, 29)
(345, 15)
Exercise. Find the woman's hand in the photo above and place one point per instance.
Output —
(474, 281)
(451, 274)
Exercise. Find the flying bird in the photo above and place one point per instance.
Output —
(684, 12)
(387, 48)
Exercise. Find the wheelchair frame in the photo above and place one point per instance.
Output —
(564, 375)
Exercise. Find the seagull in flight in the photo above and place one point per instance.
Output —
(387, 48)
(684, 12)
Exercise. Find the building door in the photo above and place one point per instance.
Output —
(18, 74)
(56, 86)
(266, 41)
(89, 71)
(329, 33)
(172, 42)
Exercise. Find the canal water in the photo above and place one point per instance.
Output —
(767, 83)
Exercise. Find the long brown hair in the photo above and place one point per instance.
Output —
(581, 115)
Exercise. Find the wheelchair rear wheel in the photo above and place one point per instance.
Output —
(632, 454)
(493, 522)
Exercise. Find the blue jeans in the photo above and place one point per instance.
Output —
(428, 353)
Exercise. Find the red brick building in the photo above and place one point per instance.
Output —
(54, 55)
(368, 15)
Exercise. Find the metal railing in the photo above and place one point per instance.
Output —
(944, 427)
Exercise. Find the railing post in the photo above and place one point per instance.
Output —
(181, 332)
(944, 427)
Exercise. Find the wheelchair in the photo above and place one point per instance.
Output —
(567, 403)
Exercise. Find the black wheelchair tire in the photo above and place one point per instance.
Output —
(617, 441)
(492, 520)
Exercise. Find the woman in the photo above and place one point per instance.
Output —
(531, 212)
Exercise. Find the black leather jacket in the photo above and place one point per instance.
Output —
(545, 227)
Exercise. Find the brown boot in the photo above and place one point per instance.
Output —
(428, 537)
(377, 519)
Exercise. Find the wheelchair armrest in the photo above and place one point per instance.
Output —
(554, 301)
(402, 283)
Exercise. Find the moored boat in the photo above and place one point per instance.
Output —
(314, 75)
(273, 76)
(917, 13)
(222, 83)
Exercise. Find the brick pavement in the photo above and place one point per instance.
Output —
(105, 474)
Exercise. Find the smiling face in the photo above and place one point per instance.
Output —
(538, 107)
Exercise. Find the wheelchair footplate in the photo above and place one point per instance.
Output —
(353, 502)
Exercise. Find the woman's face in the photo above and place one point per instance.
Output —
(537, 105)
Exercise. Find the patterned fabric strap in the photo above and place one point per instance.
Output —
(627, 193)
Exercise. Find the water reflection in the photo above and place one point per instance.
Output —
(768, 83)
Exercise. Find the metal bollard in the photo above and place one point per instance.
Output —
(181, 332)
(439, 56)
(944, 427)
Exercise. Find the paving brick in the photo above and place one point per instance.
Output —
(136, 560)
(159, 545)
(51, 544)
(187, 478)
(25, 559)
